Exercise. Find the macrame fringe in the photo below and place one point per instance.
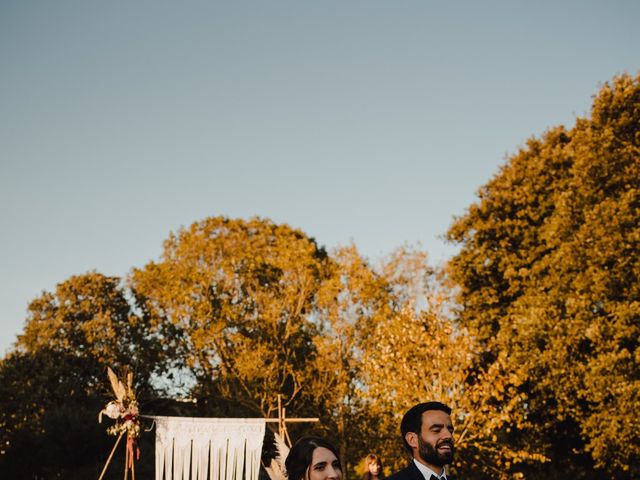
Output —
(208, 448)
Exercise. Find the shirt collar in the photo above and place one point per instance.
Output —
(427, 472)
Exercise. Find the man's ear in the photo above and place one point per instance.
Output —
(412, 439)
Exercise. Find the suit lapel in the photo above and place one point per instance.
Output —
(415, 472)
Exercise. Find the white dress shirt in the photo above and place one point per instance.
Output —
(427, 472)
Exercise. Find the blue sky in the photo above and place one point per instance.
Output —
(372, 122)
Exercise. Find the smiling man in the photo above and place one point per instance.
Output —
(427, 433)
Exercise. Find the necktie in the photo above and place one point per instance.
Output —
(434, 477)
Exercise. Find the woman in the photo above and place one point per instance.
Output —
(313, 458)
(372, 467)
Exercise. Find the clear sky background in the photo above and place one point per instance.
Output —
(372, 122)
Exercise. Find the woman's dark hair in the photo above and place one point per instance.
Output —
(301, 454)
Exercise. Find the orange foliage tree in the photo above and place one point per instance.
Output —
(548, 274)
(419, 353)
(231, 299)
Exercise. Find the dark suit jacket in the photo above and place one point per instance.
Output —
(411, 472)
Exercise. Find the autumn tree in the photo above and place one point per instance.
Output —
(419, 353)
(92, 316)
(548, 273)
(54, 382)
(237, 296)
(351, 300)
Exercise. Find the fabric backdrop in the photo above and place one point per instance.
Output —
(208, 448)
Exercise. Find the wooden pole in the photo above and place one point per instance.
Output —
(110, 456)
(126, 459)
(286, 432)
(293, 420)
(280, 422)
(133, 463)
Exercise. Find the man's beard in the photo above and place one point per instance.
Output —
(431, 455)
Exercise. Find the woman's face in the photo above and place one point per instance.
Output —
(324, 465)
(374, 468)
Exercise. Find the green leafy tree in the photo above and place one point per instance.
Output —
(548, 274)
(48, 416)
